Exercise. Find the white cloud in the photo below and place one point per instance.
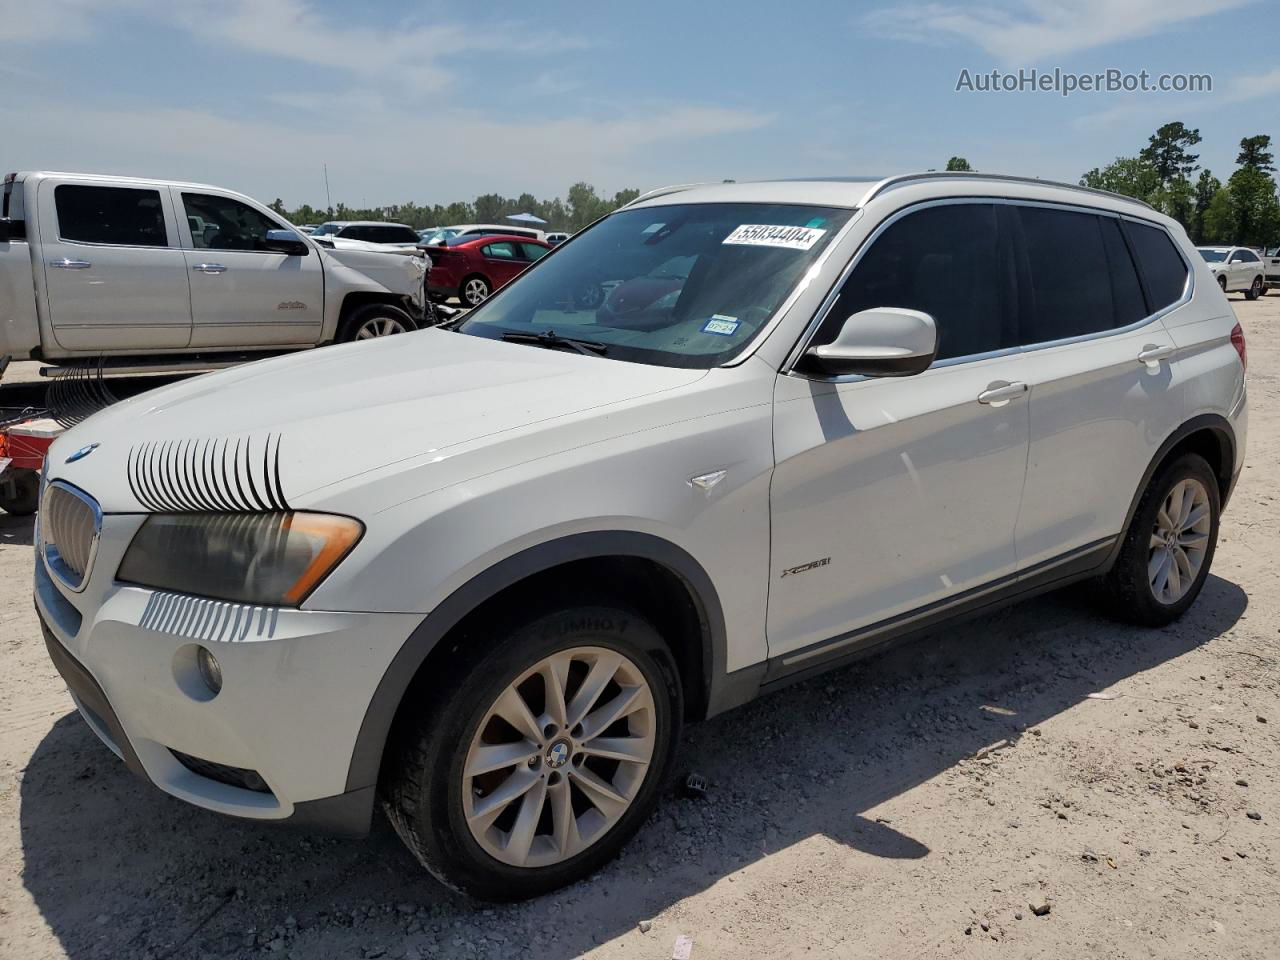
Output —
(406, 57)
(1021, 32)
(387, 154)
(1240, 89)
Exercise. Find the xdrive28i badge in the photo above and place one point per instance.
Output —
(81, 453)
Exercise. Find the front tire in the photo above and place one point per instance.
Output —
(534, 764)
(19, 491)
(1255, 290)
(1222, 282)
(1169, 546)
(373, 321)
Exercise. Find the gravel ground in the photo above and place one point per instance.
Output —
(1040, 781)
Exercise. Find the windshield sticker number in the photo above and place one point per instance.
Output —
(721, 326)
(763, 235)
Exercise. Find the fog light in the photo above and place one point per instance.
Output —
(210, 671)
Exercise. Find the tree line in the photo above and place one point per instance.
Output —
(1245, 210)
(581, 206)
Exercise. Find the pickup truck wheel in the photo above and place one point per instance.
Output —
(375, 320)
(1169, 546)
(474, 290)
(19, 492)
(1256, 289)
(532, 767)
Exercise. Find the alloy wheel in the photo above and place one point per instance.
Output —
(380, 327)
(475, 291)
(559, 756)
(1179, 541)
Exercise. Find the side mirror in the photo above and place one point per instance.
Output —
(287, 242)
(883, 342)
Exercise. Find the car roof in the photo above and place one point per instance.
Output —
(496, 237)
(855, 192)
(1214, 248)
(370, 223)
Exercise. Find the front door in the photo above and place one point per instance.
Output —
(893, 495)
(502, 261)
(242, 294)
(114, 274)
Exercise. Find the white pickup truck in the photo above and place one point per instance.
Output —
(95, 266)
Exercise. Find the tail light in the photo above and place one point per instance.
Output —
(1237, 341)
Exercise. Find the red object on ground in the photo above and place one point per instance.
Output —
(26, 443)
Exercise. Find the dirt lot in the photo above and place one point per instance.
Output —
(857, 815)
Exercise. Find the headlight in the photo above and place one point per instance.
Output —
(274, 559)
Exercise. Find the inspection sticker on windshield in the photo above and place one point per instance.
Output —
(721, 325)
(763, 235)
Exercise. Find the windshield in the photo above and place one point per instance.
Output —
(440, 236)
(1213, 256)
(325, 229)
(688, 285)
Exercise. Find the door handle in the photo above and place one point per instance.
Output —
(1001, 392)
(1153, 353)
(209, 268)
(67, 264)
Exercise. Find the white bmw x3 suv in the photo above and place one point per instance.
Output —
(483, 574)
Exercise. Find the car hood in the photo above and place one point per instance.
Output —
(273, 433)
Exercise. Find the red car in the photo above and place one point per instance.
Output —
(472, 267)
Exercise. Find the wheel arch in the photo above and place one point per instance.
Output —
(667, 572)
(1209, 435)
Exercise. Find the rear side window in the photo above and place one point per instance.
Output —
(1082, 278)
(1162, 266)
(11, 206)
(532, 251)
(945, 260)
(115, 215)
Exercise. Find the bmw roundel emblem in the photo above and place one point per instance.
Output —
(558, 755)
(81, 453)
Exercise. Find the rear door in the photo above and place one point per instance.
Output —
(114, 275)
(1098, 361)
(242, 294)
(502, 261)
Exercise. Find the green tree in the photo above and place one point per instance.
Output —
(1220, 218)
(1255, 152)
(1167, 152)
(1207, 186)
(958, 164)
(1176, 199)
(1256, 207)
(278, 206)
(1131, 176)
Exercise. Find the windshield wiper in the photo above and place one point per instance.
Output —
(553, 341)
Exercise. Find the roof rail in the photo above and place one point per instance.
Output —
(674, 188)
(889, 182)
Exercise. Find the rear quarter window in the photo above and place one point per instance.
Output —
(121, 216)
(1163, 269)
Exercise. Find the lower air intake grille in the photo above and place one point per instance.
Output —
(231, 776)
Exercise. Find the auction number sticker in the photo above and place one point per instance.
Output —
(721, 325)
(764, 235)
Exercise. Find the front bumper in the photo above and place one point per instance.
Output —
(296, 685)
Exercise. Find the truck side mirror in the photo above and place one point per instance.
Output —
(286, 242)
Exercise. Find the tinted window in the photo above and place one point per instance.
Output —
(1162, 267)
(532, 251)
(501, 251)
(1126, 288)
(110, 215)
(377, 234)
(1212, 256)
(226, 224)
(946, 261)
(1080, 282)
(1246, 256)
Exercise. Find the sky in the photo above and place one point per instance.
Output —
(433, 101)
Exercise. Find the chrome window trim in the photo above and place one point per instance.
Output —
(49, 552)
(820, 316)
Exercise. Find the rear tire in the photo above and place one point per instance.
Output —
(474, 290)
(1169, 546)
(19, 491)
(1256, 289)
(464, 819)
(374, 321)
